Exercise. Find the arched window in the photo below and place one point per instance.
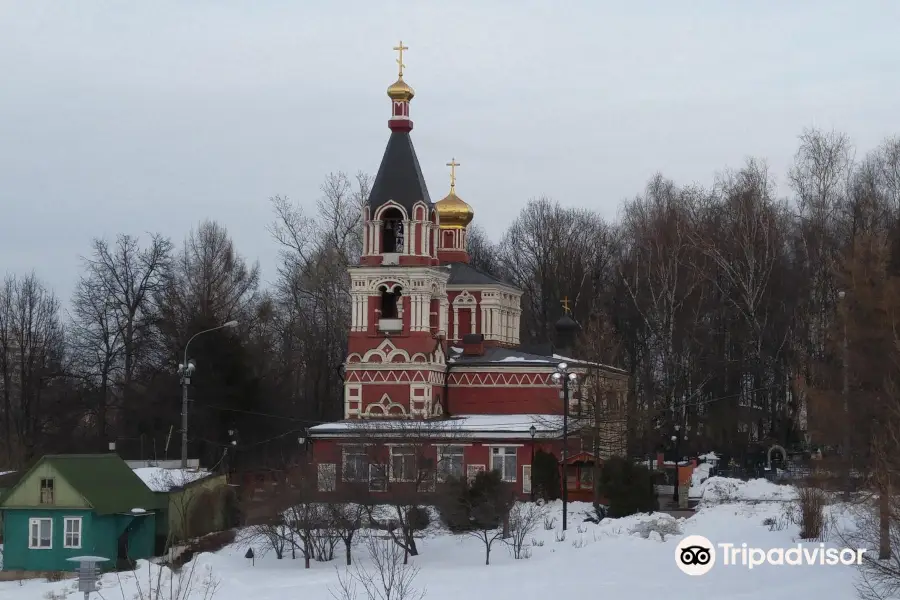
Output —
(389, 303)
(392, 234)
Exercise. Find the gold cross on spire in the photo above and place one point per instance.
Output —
(565, 305)
(453, 164)
(400, 50)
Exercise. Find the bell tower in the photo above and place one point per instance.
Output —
(395, 364)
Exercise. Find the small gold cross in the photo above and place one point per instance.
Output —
(565, 304)
(400, 50)
(453, 164)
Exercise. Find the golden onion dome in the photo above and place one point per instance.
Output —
(453, 212)
(400, 90)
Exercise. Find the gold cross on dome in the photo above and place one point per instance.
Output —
(565, 305)
(400, 50)
(453, 164)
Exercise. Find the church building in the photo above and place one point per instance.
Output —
(436, 382)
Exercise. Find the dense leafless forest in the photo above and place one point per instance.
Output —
(735, 311)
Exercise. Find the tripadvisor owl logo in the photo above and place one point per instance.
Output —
(695, 555)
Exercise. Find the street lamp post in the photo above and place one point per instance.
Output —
(533, 432)
(563, 375)
(186, 369)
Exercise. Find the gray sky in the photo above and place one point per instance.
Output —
(150, 116)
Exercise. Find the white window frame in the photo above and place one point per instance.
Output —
(353, 451)
(326, 476)
(31, 537)
(73, 533)
(505, 451)
(47, 493)
(443, 451)
(527, 483)
(407, 451)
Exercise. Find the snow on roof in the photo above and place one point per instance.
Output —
(164, 480)
(461, 425)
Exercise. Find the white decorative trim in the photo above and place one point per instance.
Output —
(388, 205)
(385, 405)
(504, 445)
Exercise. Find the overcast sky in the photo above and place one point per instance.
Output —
(151, 116)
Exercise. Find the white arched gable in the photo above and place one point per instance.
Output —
(388, 205)
(387, 351)
(392, 285)
(384, 407)
(464, 299)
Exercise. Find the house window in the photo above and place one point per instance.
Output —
(327, 473)
(526, 479)
(46, 491)
(377, 478)
(450, 462)
(503, 459)
(41, 534)
(403, 463)
(356, 463)
(72, 532)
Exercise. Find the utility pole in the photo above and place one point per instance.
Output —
(845, 394)
(186, 369)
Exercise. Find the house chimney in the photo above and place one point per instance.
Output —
(473, 344)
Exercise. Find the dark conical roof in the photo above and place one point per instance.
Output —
(399, 177)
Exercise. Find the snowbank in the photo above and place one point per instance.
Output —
(717, 490)
(163, 480)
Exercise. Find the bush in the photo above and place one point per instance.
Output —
(481, 505)
(627, 487)
(418, 518)
(811, 507)
(545, 476)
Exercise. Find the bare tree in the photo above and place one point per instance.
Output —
(524, 519)
(347, 520)
(313, 288)
(114, 316)
(31, 355)
(388, 578)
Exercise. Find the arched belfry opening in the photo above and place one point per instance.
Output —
(390, 302)
(392, 231)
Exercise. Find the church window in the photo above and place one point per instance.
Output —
(393, 231)
(450, 462)
(403, 463)
(356, 463)
(503, 460)
(389, 303)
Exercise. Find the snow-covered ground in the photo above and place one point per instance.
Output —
(607, 560)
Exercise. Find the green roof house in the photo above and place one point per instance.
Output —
(75, 505)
